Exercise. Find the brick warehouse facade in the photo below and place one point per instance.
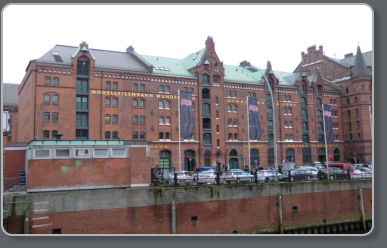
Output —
(93, 94)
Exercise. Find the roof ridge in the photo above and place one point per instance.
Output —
(159, 57)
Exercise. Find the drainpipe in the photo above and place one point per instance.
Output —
(100, 121)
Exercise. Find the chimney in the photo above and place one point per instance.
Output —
(244, 63)
(210, 44)
(348, 55)
(130, 49)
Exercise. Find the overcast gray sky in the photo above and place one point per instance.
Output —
(256, 33)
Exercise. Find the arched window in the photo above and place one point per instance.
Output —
(161, 120)
(319, 114)
(318, 92)
(115, 119)
(362, 88)
(302, 88)
(107, 102)
(303, 114)
(55, 99)
(206, 94)
(107, 135)
(166, 89)
(135, 135)
(207, 159)
(161, 104)
(166, 105)
(142, 103)
(304, 126)
(285, 111)
(47, 81)
(167, 120)
(305, 139)
(254, 156)
(46, 134)
(233, 153)
(319, 126)
(207, 138)
(135, 103)
(271, 139)
(321, 139)
(334, 102)
(135, 119)
(270, 156)
(290, 155)
(142, 119)
(108, 85)
(47, 99)
(235, 123)
(115, 135)
(55, 81)
(135, 87)
(270, 125)
(289, 98)
(284, 98)
(336, 154)
(337, 125)
(318, 102)
(165, 159)
(357, 113)
(46, 117)
(107, 119)
(331, 102)
(115, 86)
(355, 99)
(230, 122)
(142, 135)
(306, 155)
(289, 111)
(205, 79)
(53, 134)
(206, 109)
(142, 87)
(270, 112)
(161, 89)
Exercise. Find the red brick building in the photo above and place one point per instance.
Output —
(90, 94)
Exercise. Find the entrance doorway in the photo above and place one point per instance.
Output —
(189, 160)
(321, 155)
(233, 163)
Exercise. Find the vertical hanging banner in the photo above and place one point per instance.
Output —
(254, 127)
(330, 137)
(186, 115)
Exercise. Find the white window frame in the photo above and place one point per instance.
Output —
(100, 148)
(58, 157)
(169, 120)
(159, 105)
(39, 149)
(161, 123)
(80, 148)
(290, 124)
(165, 104)
(118, 156)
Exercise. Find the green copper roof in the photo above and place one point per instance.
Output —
(84, 49)
(193, 59)
(240, 74)
(206, 62)
(173, 67)
(74, 142)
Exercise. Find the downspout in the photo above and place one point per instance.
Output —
(100, 121)
(280, 126)
(36, 72)
(199, 101)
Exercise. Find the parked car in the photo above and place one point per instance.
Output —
(266, 175)
(358, 174)
(297, 174)
(206, 177)
(343, 166)
(182, 177)
(334, 173)
(313, 170)
(365, 169)
(236, 170)
(236, 176)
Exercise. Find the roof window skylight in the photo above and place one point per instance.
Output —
(57, 57)
(195, 56)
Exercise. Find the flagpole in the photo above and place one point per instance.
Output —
(370, 110)
(325, 137)
(248, 131)
(178, 97)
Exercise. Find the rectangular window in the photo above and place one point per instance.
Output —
(234, 94)
(161, 89)
(191, 90)
(115, 102)
(229, 108)
(118, 152)
(161, 104)
(46, 117)
(135, 87)
(161, 136)
(47, 81)
(142, 103)
(107, 102)
(217, 143)
(55, 81)
(167, 120)
(228, 93)
(142, 87)
(234, 108)
(142, 135)
(100, 152)
(82, 120)
(42, 153)
(217, 128)
(115, 135)
(46, 134)
(291, 136)
(216, 100)
(54, 117)
(135, 103)
(81, 102)
(115, 119)
(55, 99)
(62, 153)
(217, 114)
(166, 105)
(81, 135)
(83, 68)
(135, 119)
(135, 135)
(107, 119)
(286, 137)
(115, 86)
(142, 119)
(168, 136)
(82, 153)
(46, 98)
(167, 89)
(82, 85)
(235, 136)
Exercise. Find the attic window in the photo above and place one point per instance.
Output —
(57, 57)
(195, 56)
(162, 68)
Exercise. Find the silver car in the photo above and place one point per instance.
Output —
(236, 176)
(205, 177)
(358, 174)
(266, 175)
(182, 177)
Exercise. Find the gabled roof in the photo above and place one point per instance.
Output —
(367, 58)
(103, 58)
(330, 89)
(10, 94)
(360, 68)
(193, 59)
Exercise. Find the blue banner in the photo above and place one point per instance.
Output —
(187, 123)
(254, 126)
(328, 123)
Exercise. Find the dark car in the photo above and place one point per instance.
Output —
(334, 173)
(296, 174)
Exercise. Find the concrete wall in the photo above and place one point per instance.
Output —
(219, 209)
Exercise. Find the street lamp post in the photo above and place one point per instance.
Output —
(274, 131)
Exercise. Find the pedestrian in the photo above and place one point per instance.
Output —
(280, 169)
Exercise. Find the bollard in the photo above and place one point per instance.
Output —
(217, 178)
(256, 176)
(348, 175)
(362, 208)
(174, 177)
(173, 217)
(279, 198)
(152, 175)
(290, 176)
(319, 175)
(26, 222)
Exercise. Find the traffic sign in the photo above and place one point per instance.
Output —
(214, 164)
(286, 161)
(256, 161)
(190, 159)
